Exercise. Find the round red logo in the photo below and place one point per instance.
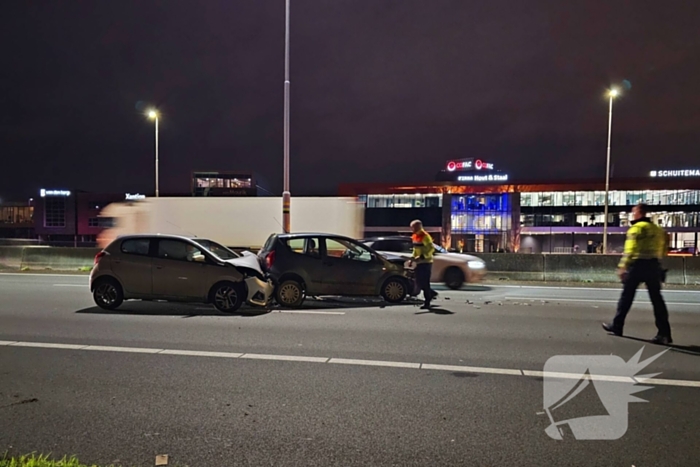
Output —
(478, 164)
(451, 166)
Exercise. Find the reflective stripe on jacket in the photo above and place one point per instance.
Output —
(645, 240)
(422, 247)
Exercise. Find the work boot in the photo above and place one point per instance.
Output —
(610, 328)
(662, 340)
(426, 306)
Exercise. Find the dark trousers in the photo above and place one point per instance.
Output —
(647, 271)
(423, 273)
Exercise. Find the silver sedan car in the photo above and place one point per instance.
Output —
(180, 269)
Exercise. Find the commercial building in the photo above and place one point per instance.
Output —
(474, 207)
(223, 184)
(67, 217)
(17, 219)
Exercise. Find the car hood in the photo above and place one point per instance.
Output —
(248, 260)
(449, 257)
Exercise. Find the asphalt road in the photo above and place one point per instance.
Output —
(341, 382)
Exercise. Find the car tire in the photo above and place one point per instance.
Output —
(394, 290)
(454, 278)
(228, 297)
(108, 294)
(290, 293)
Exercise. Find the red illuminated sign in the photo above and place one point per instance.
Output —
(479, 165)
(459, 165)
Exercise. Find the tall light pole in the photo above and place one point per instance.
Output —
(286, 196)
(613, 93)
(153, 115)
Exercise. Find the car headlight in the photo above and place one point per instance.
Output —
(476, 264)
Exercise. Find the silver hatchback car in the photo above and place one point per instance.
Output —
(181, 269)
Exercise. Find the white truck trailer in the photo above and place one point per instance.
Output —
(237, 222)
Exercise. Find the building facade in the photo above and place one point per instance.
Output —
(223, 184)
(473, 207)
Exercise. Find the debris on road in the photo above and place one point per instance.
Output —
(162, 459)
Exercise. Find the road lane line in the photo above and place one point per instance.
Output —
(554, 374)
(554, 287)
(594, 300)
(43, 345)
(379, 363)
(471, 369)
(309, 312)
(199, 353)
(350, 361)
(285, 358)
(103, 348)
(671, 382)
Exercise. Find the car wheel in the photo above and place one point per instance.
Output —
(228, 297)
(290, 293)
(454, 278)
(394, 290)
(108, 294)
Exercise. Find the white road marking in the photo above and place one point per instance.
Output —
(554, 287)
(553, 374)
(285, 358)
(346, 361)
(305, 312)
(349, 361)
(673, 382)
(199, 353)
(471, 369)
(121, 349)
(594, 300)
(48, 346)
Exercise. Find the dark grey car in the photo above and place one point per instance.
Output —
(313, 264)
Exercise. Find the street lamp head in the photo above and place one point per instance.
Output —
(152, 114)
(614, 92)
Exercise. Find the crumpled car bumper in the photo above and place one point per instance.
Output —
(259, 291)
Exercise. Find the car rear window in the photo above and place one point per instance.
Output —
(269, 243)
(136, 246)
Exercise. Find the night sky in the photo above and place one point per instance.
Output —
(382, 91)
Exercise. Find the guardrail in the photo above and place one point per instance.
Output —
(42, 258)
(500, 266)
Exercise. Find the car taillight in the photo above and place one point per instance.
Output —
(270, 259)
(99, 256)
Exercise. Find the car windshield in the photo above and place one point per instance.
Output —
(218, 250)
(439, 249)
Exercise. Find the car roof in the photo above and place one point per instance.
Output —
(166, 236)
(393, 237)
(310, 234)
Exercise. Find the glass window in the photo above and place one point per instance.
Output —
(178, 250)
(339, 248)
(218, 250)
(94, 222)
(55, 212)
(305, 246)
(393, 246)
(136, 246)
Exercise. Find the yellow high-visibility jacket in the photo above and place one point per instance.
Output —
(645, 240)
(423, 248)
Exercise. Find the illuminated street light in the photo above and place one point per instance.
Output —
(613, 94)
(153, 115)
(286, 196)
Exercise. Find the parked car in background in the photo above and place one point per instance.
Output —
(179, 269)
(312, 264)
(453, 269)
(687, 251)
